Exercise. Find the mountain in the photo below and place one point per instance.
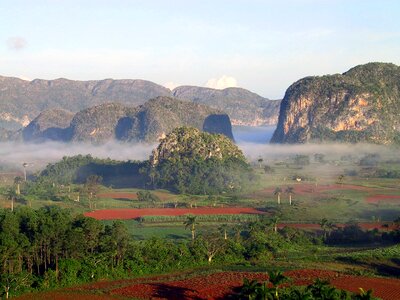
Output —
(361, 105)
(159, 116)
(243, 106)
(192, 144)
(52, 124)
(194, 162)
(21, 100)
(113, 121)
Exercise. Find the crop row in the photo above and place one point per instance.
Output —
(201, 218)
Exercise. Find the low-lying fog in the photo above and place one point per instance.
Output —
(253, 142)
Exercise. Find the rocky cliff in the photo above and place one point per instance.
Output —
(113, 121)
(361, 105)
(158, 117)
(242, 106)
(52, 124)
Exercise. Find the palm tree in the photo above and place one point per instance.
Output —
(11, 194)
(341, 179)
(278, 192)
(191, 222)
(323, 223)
(249, 288)
(260, 161)
(276, 278)
(223, 228)
(274, 222)
(17, 182)
(290, 191)
(364, 295)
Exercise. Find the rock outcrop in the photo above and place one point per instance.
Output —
(112, 121)
(361, 105)
(158, 117)
(52, 124)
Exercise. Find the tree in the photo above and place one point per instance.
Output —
(11, 195)
(17, 181)
(260, 161)
(278, 192)
(274, 222)
(191, 223)
(223, 228)
(323, 223)
(326, 227)
(277, 278)
(92, 185)
(212, 244)
(341, 179)
(290, 191)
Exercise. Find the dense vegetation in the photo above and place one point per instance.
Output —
(37, 253)
(194, 162)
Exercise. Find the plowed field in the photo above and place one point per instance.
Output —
(213, 286)
(126, 214)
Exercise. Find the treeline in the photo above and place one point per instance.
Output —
(192, 176)
(203, 177)
(76, 169)
(51, 247)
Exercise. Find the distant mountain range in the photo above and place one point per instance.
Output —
(113, 121)
(21, 101)
(360, 105)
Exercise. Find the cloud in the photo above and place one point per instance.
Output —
(16, 43)
(170, 85)
(222, 83)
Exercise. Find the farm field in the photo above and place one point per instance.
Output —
(215, 285)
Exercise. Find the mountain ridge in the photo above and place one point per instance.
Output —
(22, 100)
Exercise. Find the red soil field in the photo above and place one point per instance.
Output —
(219, 285)
(213, 286)
(383, 198)
(126, 214)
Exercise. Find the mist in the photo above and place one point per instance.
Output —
(13, 154)
(269, 152)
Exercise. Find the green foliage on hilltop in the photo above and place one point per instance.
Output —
(190, 161)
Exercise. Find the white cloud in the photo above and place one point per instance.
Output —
(170, 85)
(16, 43)
(222, 83)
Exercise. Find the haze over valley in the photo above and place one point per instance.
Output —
(200, 150)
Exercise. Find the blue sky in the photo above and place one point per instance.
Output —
(263, 46)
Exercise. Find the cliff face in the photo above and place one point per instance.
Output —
(49, 125)
(361, 105)
(113, 121)
(97, 124)
(160, 116)
(242, 106)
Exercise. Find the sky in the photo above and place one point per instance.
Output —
(263, 46)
